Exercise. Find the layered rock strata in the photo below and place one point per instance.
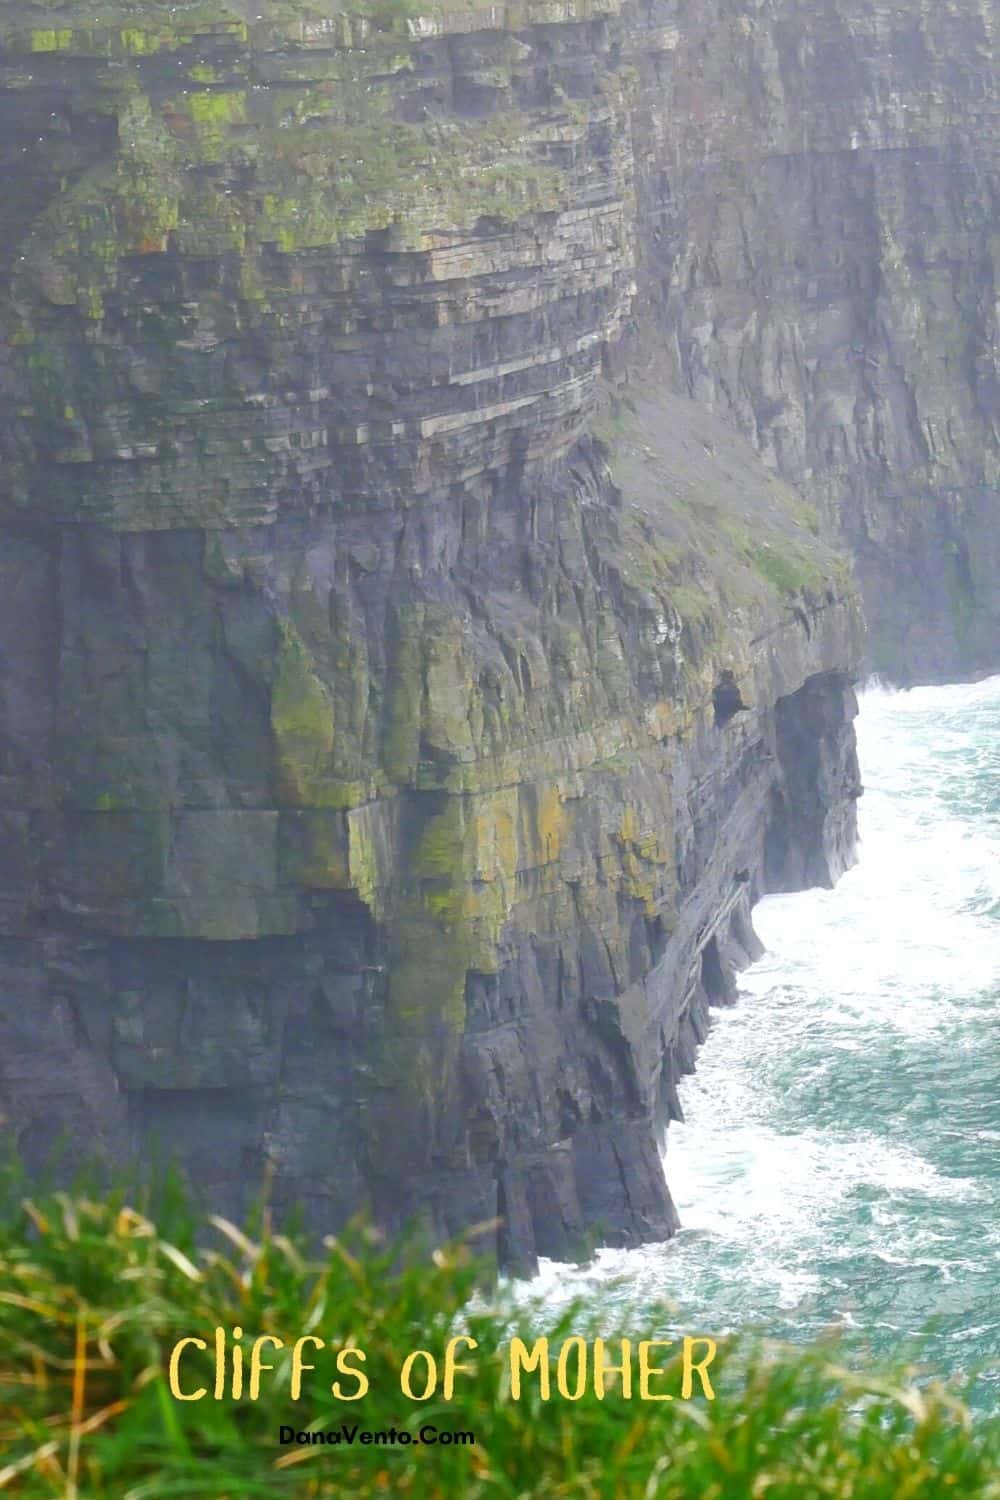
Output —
(405, 696)
(821, 195)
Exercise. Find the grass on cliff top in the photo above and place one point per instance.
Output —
(94, 1294)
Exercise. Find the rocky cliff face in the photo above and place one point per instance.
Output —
(823, 195)
(407, 688)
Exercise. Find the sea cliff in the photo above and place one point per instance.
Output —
(428, 446)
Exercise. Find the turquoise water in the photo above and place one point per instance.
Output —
(840, 1160)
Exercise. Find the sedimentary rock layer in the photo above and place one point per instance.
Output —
(407, 687)
(820, 200)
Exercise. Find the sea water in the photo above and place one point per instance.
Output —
(839, 1163)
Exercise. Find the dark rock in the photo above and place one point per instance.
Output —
(405, 693)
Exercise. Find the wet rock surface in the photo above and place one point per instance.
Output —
(407, 688)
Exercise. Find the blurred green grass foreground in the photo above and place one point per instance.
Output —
(95, 1295)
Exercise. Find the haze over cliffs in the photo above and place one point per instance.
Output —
(428, 444)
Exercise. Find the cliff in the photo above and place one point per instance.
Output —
(407, 687)
(823, 188)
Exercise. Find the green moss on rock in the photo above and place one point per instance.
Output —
(301, 720)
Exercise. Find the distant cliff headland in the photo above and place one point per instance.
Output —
(448, 458)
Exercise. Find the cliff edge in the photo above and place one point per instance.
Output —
(408, 688)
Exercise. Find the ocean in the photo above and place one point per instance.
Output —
(839, 1164)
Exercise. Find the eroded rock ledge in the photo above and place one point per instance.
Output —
(404, 697)
(472, 990)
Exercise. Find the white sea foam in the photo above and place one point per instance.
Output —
(838, 1160)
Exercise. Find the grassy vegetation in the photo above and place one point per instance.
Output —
(94, 1295)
